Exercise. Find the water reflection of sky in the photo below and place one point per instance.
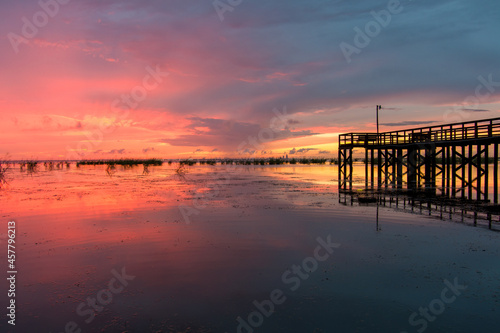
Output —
(75, 226)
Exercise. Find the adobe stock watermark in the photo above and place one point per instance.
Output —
(223, 6)
(251, 144)
(372, 29)
(420, 320)
(482, 93)
(267, 134)
(292, 278)
(30, 28)
(102, 298)
(120, 109)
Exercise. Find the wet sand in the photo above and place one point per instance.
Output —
(246, 227)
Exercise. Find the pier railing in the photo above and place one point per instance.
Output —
(478, 129)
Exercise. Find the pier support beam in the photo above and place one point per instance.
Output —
(448, 174)
(479, 171)
(372, 166)
(486, 172)
(495, 173)
(470, 157)
(379, 168)
(430, 169)
(345, 168)
(412, 169)
(366, 167)
(399, 172)
(453, 174)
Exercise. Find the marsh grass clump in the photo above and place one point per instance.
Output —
(276, 161)
(126, 163)
(181, 170)
(318, 161)
(49, 166)
(187, 162)
(152, 162)
(258, 161)
(4, 166)
(111, 169)
(208, 162)
(31, 166)
(28, 166)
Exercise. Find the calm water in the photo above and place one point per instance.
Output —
(243, 249)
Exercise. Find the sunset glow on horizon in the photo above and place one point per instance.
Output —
(179, 79)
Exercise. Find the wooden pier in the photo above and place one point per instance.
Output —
(453, 159)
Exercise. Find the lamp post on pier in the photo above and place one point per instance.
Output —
(379, 107)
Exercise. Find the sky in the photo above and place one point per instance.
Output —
(236, 78)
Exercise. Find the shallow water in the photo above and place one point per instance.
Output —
(208, 249)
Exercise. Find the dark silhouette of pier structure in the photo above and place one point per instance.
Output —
(453, 159)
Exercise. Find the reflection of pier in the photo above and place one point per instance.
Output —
(451, 158)
(461, 210)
